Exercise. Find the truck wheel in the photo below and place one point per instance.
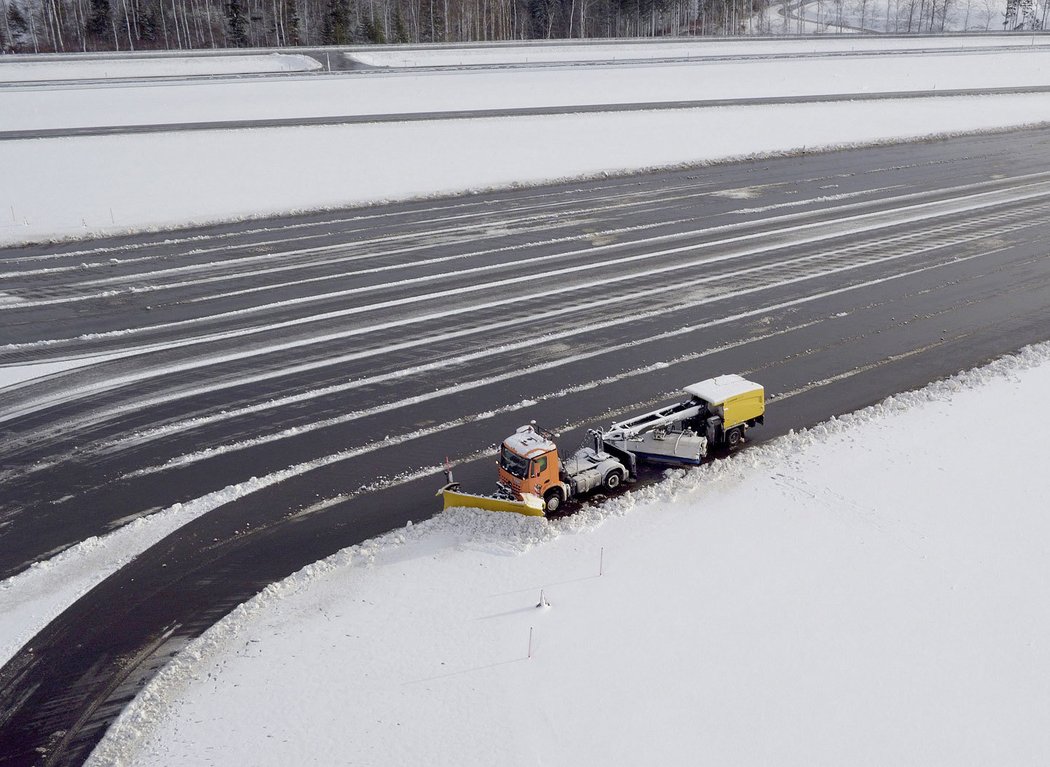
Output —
(552, 501)
(734, 437)
(613, 480)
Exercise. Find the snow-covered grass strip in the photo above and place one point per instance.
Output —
(197, 178)
(347, 94)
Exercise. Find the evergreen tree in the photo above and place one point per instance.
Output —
(335, 26)
(97, 27)
(539, 19)
(400, 30)
(432, 23)
(237, 24)
(372, 31)
(16, 24)
(147, 26)
(292, 24)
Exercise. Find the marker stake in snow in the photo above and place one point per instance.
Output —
(530, 642)
(601, 561)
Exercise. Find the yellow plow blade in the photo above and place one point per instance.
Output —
(532, 506)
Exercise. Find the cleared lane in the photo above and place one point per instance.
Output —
(831, 310)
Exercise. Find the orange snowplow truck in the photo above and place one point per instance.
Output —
(535, 480)
(529, 463)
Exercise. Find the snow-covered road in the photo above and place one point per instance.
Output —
(69, 185)
(393, 93)
(312, 393)
(241, 400)
(227, 360)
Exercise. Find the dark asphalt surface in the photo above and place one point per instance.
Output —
(364, 346)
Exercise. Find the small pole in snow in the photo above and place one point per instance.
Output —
(601, 562)
(112, 220)
(13, 217)
(530, 641)
(328, 59)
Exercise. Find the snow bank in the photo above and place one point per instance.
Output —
(16, 69)
(830, 597)
(33, 598)
(111, 184)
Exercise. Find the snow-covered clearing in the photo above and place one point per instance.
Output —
(869, 591)
(502, 89)
(78, 186)
(29, 69)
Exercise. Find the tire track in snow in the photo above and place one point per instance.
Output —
(843, 225)
(521, 262)
(492, 210)
(137, 440)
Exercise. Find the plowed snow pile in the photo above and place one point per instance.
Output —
(871, 591)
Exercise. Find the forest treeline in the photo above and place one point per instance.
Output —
(106, 25)
(28, 26)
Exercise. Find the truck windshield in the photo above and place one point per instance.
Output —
(512, 462)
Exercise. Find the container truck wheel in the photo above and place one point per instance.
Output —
(613, 480)
(552, 501)
(734, 437)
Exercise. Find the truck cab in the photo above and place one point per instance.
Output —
(528, 463)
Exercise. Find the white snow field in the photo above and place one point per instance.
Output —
(411, 93)
(79, 186)
(31, 69)
(871, 591)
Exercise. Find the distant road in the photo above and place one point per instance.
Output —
(468, 114)
(347, 353)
